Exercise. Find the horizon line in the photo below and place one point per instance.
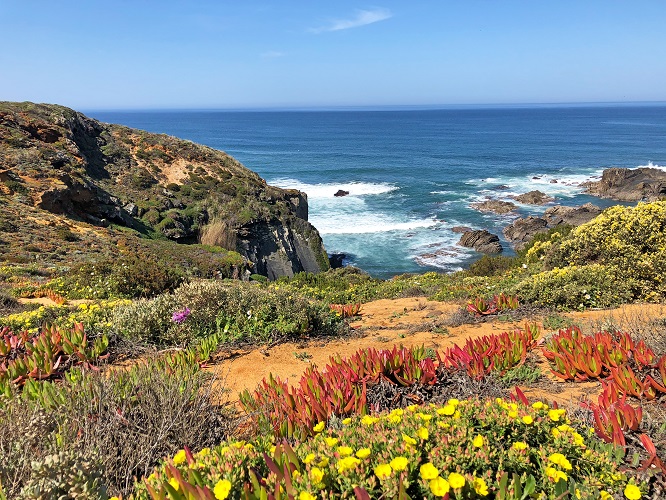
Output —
(381, 107)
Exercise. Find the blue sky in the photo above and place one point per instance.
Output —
(145, 54)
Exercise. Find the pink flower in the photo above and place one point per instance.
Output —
(180, 316)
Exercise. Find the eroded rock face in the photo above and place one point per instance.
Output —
(495, 206)
(535, 197)
(282, 249)
(624, 184)
(481, 241)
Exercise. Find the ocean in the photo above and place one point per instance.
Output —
(412, 174)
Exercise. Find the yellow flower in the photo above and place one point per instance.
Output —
(363, 453)
(443, 425)
(398, 411)
(203, 453)
(412, 407)
(555, 415)
(538, 405)
(425, 417)
(317, 475)
(331, 441)
(428, 471)
(347, 421)
(561, 460)
(394, 419)
(399, 463)
(513, 414)
(555, 474)
(478, 441)
(409, 440)
(447, 410)
(423, 433)
(439, 486)
(555, 432)
(453, 402)
(480, 486)
(304, 495)
(528, 420)
(323, 462)
(222, 489)
(604, 495)
(319, 427)
(347, 463)
(383, 471)
(174, 483)
(309, 458)
(456, 480)
(368, 420)
(519, 445)
(179, 457)
(345, 451)
(632, 492)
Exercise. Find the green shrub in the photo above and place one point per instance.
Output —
(492, 266)
(241, 312)
(575, 287)
(121, 422)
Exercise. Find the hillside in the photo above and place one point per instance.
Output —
(67, 178)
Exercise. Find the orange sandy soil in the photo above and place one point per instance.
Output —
(408, 322)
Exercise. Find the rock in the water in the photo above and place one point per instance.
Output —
(460, 229)
(534, 198)
(337, 260)
(624, 184)
(496, 206)
(553, 181)
(481, 241)
(341, 192)
(574, 216)
(523, 230)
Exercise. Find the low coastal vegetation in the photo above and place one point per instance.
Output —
(109, 324)
(76, 422)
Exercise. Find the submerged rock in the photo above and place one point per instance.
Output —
(496, 206)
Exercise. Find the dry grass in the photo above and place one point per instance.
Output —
(219, 233)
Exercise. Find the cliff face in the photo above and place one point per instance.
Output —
(58, 161)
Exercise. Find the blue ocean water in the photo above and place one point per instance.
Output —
(412, 174)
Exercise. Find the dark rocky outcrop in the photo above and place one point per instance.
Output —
(481, 241)
(574, 216)
(523, 230)
(341, 192)
(337, 260)
(57, 161)
(535, 197)
(460, 229)
(496, 206)
(624, 184)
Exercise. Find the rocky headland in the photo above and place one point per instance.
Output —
(63, 173)
(625, 184)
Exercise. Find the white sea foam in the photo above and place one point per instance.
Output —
(328, 190)
(652, 165)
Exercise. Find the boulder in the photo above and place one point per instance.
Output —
(481, 241)
(460, 229)
(523, 230)
(534, 198)
(574, 216)
(337, 260)
(624, 184)
(496, 206)
(341, 192)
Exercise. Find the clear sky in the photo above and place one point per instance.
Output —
(93, 54)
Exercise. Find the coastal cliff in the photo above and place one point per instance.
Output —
(61, 169)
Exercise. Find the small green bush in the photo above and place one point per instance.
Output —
(492, 266)
(240, 312)
(575, 287)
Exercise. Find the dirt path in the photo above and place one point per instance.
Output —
(414, 322)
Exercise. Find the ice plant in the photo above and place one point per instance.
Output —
(179, 317)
